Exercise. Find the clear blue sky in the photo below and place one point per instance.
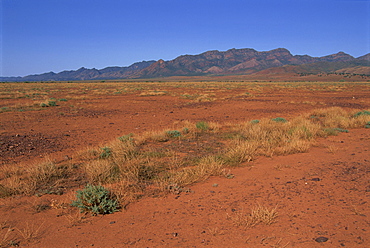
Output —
(40, 36)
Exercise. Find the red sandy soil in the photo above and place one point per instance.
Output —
(322, 193)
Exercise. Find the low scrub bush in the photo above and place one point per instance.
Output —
(48, 104)
(106, 153)
(95, 199)
(365, 112)
(173, 133)
(202, 125)
(279, 119)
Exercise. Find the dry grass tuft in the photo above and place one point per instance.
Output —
(206, 167)
(125, 192)
(101, 171)
(75, 218)
(336, 117)
(30, 231)
(44, 172)
(5, 238)
(240, 151)
(258, 214)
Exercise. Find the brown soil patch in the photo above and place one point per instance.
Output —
(322, 193)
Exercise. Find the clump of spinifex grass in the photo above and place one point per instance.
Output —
(339, 118)
(169, 160)
(258, 215)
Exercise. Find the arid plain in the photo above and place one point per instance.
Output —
(316, 195)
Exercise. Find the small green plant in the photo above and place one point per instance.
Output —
(173, 133)
(52, 103)
(48, 104)
(367, 125)
(95, 199)
(202, 125)
(106, 153)
(63, 100)
(255, 121)
(341, 130)
(279, 119)
(365, 112)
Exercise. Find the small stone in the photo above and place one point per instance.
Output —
(321, 239)
(316, 179)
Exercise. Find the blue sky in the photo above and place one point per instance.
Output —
(40, 36)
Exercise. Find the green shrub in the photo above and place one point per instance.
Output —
(367, 125)
(63, 100)
(106, 153)
(279, 119)
(365, 112)
(341, 130)
(48, 104)
(95, 199)
(255, 121)
(173, 133)
(52, 103)
(202, 125)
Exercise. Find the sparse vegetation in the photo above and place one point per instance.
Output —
(163, 161)
(202, 125)
(30, 231)
(95, 199)
(279, 119)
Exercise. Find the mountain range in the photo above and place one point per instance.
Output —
(231, 62)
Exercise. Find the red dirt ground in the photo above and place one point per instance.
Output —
(322, 193)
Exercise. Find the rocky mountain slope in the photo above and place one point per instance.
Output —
(230, 62)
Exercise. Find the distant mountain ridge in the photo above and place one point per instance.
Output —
(114, 72)
(233, 61)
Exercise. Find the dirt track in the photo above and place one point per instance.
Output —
(321, 193)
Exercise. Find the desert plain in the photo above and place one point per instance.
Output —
(317, 196)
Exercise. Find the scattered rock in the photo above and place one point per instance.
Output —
(321, 239)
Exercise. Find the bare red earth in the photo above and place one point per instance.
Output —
(322, 193)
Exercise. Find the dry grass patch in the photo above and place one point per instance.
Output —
(101, 171)
(30, 231)
(206, 167)
(6, 238)
(257, 215)
(336, 117)
(153, 93)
